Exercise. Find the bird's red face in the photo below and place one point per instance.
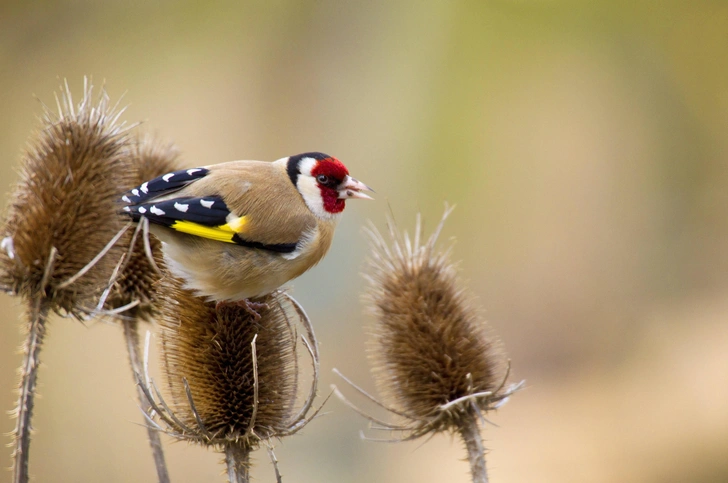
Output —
(329, 174)
(324, 183)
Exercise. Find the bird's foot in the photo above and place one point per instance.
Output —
(250, 307)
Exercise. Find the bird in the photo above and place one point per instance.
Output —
(238, 230)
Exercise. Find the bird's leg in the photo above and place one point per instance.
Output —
(250, 307)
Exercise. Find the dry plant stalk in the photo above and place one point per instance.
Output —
(433, 359)
(133, 296)
(233, 380)
(58, 240)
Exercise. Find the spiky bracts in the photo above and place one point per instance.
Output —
(433, 357)
(64, 203)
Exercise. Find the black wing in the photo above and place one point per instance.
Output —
(207, 217)
(208, 211)
(163, 185)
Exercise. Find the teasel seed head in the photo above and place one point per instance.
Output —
(211, 349)
(232, 378)
(137, 280)
(433, 358)
(62, 211)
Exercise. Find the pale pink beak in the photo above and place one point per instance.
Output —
(352, 188)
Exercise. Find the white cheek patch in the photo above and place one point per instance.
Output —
(309, 189)
(311, 193)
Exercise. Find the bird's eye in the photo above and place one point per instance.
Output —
(322, 178)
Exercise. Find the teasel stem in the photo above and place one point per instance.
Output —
(131, 335)
(26, 400)
(470, 432)
(39, 309)
(238, 464)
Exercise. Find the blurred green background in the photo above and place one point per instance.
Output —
(582, 142)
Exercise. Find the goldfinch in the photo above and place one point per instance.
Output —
(238, 230)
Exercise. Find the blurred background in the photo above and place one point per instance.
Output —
(582, 142)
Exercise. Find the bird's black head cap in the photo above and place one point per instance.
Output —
(293, 167)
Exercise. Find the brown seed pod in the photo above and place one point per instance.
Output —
(136, 282)
(232, 377)
(71, 175)
(211, 349)
(433, 357)
(429, 345)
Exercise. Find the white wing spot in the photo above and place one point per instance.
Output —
(207, 204)
(157, 211)
(126, 208)
(167, 177)
(144, 187)
(125, 199)
(193, 171)
(181, 207)
(135, 192)
(142, 210)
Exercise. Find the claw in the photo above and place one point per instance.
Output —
(250, 307)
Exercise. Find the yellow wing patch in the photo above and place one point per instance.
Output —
(223, 233)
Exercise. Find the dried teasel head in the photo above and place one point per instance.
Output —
(135, 287)
(62, 212)
(433, 357)
(233, 378)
